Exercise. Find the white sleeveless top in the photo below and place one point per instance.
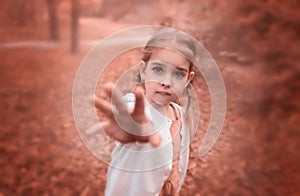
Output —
(139, 168)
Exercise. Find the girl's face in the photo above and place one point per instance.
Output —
(166, 75)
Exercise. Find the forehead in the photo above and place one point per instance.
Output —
(170, 57)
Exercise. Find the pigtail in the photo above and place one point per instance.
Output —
(188, 111)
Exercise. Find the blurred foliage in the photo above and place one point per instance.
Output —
(255, 43)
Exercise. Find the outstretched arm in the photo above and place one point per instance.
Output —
(134, 120)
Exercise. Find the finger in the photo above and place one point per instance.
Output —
(104, 107)
(96, 128)
(116, 134)
(155, 140)
(116, 97)
(106, 127)
(139, 103)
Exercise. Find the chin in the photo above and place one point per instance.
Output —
(161, 102)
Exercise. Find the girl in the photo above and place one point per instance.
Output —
(153, 138)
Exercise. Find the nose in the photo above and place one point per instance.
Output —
(166, 81)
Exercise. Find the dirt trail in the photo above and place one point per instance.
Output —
(42, 154)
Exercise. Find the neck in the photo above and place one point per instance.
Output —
(161, 108)
(166, 110)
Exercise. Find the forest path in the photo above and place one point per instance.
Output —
(42, 153)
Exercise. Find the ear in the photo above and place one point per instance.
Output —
(142, 70)
(191, 76)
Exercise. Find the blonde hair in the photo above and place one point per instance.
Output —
(173, 39)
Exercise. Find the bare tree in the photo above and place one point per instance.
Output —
(53, 22)
(19, 11)
(74, 25)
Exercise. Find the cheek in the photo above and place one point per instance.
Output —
(178, 88)
(150, 85)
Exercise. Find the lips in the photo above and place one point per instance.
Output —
(165, 93)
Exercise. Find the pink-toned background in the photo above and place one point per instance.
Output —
(255, 43)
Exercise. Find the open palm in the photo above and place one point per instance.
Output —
(123, 125)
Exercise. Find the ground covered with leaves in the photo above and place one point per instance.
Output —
(256, 153)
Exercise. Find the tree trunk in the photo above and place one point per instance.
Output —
(74, 26)
(22, 20)
(53, 23)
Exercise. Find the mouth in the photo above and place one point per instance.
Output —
(165, 93)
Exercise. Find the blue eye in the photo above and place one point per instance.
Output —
(179, 74)
(157, 69)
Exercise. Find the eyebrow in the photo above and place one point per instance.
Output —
(159, 63)
(182, 69)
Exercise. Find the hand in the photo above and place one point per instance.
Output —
(123, 125)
